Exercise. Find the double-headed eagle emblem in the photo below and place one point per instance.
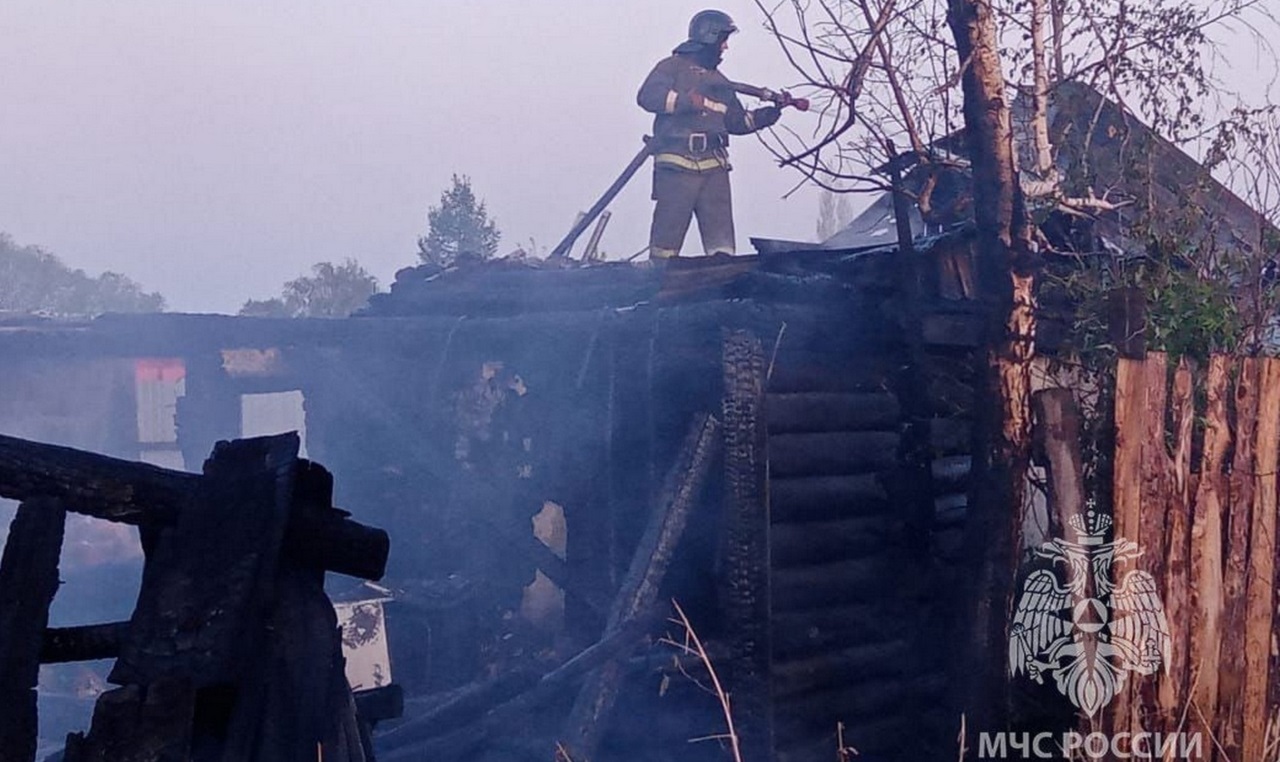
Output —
(1088, 633)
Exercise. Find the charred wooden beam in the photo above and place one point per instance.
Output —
(828, 411)
(951, 474)
(553, 566)
(812, 372)
(860, 580)
(179, 335)
(28, 581)
(745, 594)
(319, 536)
(800, 544)
(639, 591)
(816, 498)
(333, 542)
(85, 643)
(832, 453)
(137, 493)
(95, 485)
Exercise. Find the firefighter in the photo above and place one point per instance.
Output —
(696, 111)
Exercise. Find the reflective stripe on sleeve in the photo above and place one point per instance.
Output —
(715, 106)
(671, 101)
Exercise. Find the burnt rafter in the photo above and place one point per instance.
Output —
(144, 495)
(91, 484)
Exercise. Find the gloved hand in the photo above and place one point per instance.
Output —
(786, 99)
(766, 117)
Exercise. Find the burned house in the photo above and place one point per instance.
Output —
(776, 442)
(465, 410)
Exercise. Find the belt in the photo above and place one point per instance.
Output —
(697, 143)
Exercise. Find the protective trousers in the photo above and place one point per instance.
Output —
(680, 194)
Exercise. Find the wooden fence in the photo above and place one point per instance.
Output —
(1195, 485)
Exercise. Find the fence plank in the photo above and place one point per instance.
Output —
(1130, 413)
(1206, 551)
(1232, 668)
(1262, 551)
(1127, 477)
(92, 484)
(1156, 469)
(1173, 686)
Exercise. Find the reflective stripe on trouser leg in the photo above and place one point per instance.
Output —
(714, 208)
(675, 192)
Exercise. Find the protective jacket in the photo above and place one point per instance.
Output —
(690, 135)
(696, 110)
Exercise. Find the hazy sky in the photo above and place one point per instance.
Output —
(212, 150)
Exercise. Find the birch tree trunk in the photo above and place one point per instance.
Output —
(1003, 431)
(1040, 99)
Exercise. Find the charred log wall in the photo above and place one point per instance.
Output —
(852, 585)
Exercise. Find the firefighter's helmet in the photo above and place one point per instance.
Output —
(710, 27)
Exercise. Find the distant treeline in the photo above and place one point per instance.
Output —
(35, 281)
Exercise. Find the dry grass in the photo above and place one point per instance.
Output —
(690, 644)
(1271, 744)
(844, 752)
